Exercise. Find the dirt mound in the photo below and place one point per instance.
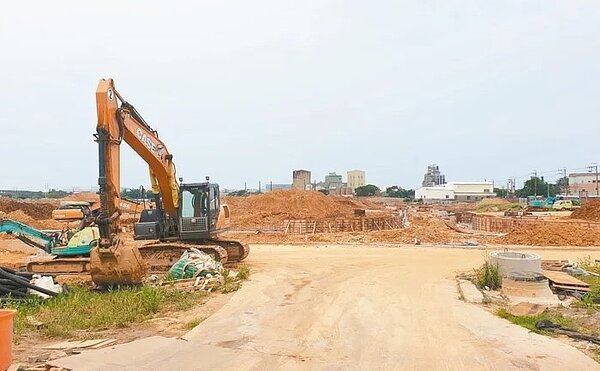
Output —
(37, 209)
(589, 211)
(22, 217)
(553, 234)
(273, 208)
(83, 196)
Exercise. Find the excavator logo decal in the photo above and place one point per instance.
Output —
(110, 94)
(149, 143)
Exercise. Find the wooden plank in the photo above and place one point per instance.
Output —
(563, 278)
(567, 287)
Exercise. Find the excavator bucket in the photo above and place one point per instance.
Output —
(121, 265)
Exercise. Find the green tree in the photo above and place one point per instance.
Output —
(501, 192)
(135, 194)
(367, 190)
(399, 192)
(537, 186)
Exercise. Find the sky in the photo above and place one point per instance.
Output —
(247, 91)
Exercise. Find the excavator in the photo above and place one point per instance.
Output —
(67, 250)
(185, 214)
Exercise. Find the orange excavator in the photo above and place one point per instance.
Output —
(186, 214)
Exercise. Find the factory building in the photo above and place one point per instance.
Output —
(333, 181)
(301, 179)
(433, 177)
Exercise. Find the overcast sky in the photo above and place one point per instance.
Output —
(250, 90)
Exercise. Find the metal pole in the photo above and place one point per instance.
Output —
(595, 167)
(535, 183)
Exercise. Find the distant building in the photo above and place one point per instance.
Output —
(456, 191)
(356, 178)
(583, 184)
(276, 186)
(433, 177)
(333, 181)
(301, 179)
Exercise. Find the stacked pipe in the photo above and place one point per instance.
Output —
(16, 284)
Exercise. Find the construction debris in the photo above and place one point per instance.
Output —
(194, 263)
(19, 285)
(548, 325)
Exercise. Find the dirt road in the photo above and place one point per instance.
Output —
(309, 307)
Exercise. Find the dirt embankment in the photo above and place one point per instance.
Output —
(273, 208)
(553, 234)
(589, 211)
(37, 213)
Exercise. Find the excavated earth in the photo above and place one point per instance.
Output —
(273, 208)
(589, 211)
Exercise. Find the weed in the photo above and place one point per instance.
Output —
(82, 309)
(529, 321)
(244, 273)
(489, 276)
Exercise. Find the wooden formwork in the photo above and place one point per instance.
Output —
(503, 224)
(341, 225)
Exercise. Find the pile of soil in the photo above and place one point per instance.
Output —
(36, 209)
(24, 218)
(589, 211)
(12, 259)
(553, 234)
(83, 196)
(273, 208)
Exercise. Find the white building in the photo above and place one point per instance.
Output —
(435, 194)
(456, 191)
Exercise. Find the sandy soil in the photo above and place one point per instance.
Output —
(350, 307)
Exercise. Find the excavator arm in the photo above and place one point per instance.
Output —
(28, 234)
(118, 121)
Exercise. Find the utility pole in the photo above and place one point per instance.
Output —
(271, 186)
(535, 183)
(565, 188)
(594, 167)
(259, 188)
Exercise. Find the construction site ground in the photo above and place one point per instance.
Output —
(349, 307)
(368, 299)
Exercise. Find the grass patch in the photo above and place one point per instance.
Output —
(82, 309)
(529, 321)
(488, 276)
(587, 302)
(193, 323)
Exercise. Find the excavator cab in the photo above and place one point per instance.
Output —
(199, 210)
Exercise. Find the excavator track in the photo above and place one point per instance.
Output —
(53, 265)
(160, 256)
(236, 251)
